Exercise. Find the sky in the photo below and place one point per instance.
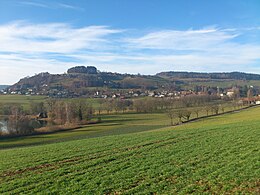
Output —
(128, 36)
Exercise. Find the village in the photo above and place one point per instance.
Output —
(244, 97)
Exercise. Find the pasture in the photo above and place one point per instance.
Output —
(215, 155)
(21, 99)
(111, 125)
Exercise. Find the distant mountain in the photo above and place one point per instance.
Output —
(3, 87)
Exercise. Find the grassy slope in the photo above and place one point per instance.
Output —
(219, 154)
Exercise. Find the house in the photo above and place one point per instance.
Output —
(230, 93)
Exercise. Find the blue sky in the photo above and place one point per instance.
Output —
(133, 36)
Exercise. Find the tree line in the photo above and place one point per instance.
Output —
(23, 121)
(67, 112)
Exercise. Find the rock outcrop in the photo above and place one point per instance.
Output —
(82, 70)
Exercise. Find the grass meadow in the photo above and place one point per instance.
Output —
(23, 100)
(215, 155)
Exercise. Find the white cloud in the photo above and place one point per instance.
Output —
(54, 37)
(181, 40)
(26, 49)
(14, 67)
(36, 4)
(50, 5)
(67, 6)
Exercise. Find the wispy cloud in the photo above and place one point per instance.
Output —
(182, 40)
(50, 5)
(27, 48)
(67, 6)
(54, 37)
(35, 4)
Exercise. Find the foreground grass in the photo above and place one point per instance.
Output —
(217, 155)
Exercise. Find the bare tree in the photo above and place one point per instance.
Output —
(107, 105)
(187, 114)
(171, 115)
(196, 111)
(215, 109)
(179, 114)
(36, 107)
(18, 122)
(50, 106)
(222, 108)
(249, 95)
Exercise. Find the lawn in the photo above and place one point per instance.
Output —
(214, 155)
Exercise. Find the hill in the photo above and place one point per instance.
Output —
(214, 156)
(198, 75)
(80, 80)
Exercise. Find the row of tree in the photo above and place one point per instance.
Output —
(78, 111)
(185, 113)
(149, 105)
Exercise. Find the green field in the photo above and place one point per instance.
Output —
(214, 155)
(23, 100)
(113, 124)
(110, 125)
(190, 83)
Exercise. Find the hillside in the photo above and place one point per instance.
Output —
(80, 80)
(216, 155)
(198, 75)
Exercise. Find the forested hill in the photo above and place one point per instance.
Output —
(224, 75)
(80, 80)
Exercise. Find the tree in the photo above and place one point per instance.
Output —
(186, 114)
(215, 109)
(50, 106)
(107, 105)
(249, 94)
(236, 94)
(179, 114)
(171, 115)
(18, 122)
(196, 111)
(137, 104)
(207, 109)
(36, 107)
(222, 108)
